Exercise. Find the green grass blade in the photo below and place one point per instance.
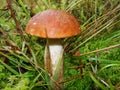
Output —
(97, 82)
(9, 68)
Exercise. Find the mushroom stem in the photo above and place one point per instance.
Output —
(54, 62)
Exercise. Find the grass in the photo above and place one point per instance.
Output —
(21, 61)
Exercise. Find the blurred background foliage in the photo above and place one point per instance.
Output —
(22, 55)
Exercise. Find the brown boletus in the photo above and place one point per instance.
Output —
(53, 25)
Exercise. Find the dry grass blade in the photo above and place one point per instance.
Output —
(103, 49)
(102, 22)
(99, 21)
(72, 5)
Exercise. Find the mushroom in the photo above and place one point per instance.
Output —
(54, 25)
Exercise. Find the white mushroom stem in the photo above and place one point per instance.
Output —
(54, 59)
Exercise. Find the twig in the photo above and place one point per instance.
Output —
(103, 49)
(19, 30)
(70, 79)
(80, 63)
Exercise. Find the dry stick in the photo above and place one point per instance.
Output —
(70, 79)
(80, 63)
(103, 49)
(19, 30)
(81, 67)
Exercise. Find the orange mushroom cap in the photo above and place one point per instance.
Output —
(53, 24)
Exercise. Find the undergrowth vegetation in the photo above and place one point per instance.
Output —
(96, 67)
